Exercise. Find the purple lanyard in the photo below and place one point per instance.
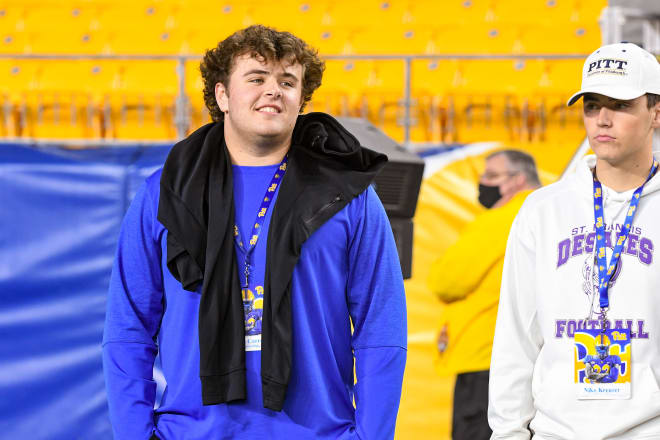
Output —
(604, 271)
(261, 217)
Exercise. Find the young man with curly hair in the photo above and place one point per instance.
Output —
(245, 261)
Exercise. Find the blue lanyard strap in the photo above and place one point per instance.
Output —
(605, 272)
(261, 217)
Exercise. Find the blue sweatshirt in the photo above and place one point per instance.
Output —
(348, 272)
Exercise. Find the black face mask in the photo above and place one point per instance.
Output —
(489, 195)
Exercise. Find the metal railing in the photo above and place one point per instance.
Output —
(182, 102)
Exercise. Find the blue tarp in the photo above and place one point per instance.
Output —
(60, 214)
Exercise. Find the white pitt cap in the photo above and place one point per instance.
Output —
(620, 71)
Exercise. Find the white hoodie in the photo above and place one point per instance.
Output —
(547, 291)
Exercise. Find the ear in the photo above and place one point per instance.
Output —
(519, 180)
(655, 115)
(221, 97)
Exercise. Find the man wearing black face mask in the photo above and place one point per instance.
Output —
(507, 173)
(467, 280)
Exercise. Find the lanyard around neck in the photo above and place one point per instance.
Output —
(261, 217)
(605, 272)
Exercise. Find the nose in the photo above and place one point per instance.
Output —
(273, 88)
(604, 117)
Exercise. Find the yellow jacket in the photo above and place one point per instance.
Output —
(467, 278)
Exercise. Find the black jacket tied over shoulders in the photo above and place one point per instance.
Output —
(327, 168)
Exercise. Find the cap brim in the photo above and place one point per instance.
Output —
(624, 93)
(574, 98)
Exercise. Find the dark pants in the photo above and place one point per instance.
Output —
(470, 420)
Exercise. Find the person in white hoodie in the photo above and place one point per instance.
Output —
(576, 352)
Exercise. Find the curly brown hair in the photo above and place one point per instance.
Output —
(261, 42)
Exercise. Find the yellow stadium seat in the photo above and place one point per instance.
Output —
(67, 103)
(343, 14)
(435, 77)
(567, 38)
(12, 17)
(398, 40)
(198, 41)
(215, 18)
(446, 13)
(287, 15)
(143, 101)
(332, 40)
(431, 82)
(75, 41)
(148, 79)
(58, 19)
(390, 13)
(560, 77)
(530, 12)
(94, 79)
(326, 100)
(154, 41)
(134, 16)
(8, 120)
(558, 11)
(479, 38)
(54, 120)
(194, 83)
(535, 40)
(584, 38)
(204, 24)
(365, 13)
(381, 96)
(143, 28)
(558, 80)
(140, 122)
(199, 114)
(17, 78)
(337, 92)
(490, 96)
(14, 42)
(308, 14)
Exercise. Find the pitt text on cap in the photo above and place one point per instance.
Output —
(607, 65)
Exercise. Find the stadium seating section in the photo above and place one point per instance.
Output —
(452, 99)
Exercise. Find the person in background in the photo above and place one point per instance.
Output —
(244, 262)
(466, 279)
